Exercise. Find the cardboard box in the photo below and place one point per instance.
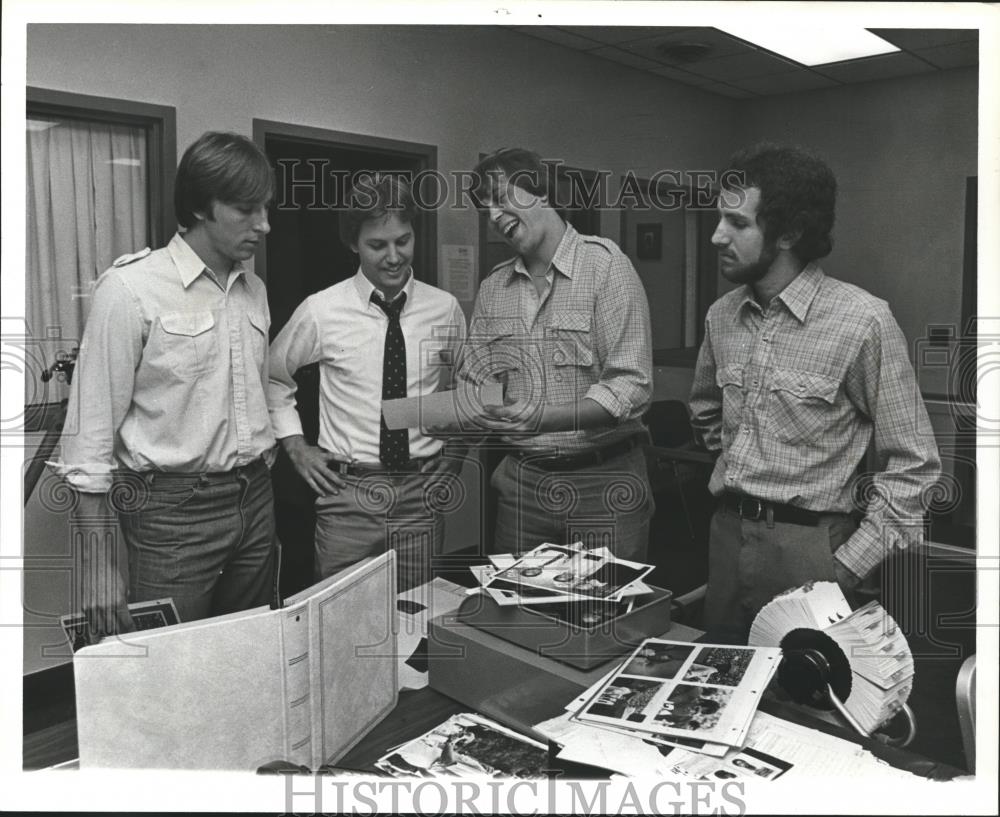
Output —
(563, 632)
(507, 682)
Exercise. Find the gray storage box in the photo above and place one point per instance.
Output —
(582, 634)
(509, 683)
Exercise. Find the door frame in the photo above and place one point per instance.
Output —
(426, 156)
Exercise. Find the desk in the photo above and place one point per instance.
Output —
(420, 710)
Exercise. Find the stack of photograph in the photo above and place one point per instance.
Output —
(876, 651)
(464, 745)
(700, 697)
(592, 584)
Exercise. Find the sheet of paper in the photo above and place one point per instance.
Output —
(706, 692)
(457, 271)
(417, 607)
(441, 408)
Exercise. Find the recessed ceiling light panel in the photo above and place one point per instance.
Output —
(812, 45)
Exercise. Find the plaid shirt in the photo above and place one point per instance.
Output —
(587, 336)
(792, 395)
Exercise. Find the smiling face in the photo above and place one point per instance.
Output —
(745, 254)
(521, 218)
(385, 250)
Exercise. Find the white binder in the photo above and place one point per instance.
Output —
(303, 684)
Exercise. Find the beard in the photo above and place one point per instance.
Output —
(751, 273)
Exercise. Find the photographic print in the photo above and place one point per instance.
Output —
(658, 659)
(725, 666)
(556, 569)
(625, 699)
(694, 708)
(468, 745)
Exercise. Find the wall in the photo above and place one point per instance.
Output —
(463, 89)
(901, 150)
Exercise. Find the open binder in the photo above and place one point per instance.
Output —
(302, 684)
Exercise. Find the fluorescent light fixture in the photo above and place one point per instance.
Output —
(128, 162)
(816, 44)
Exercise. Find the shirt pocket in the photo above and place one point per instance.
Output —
(259, 326)
(802, 404)
(188, 343)
(569, 339)
(729, 379)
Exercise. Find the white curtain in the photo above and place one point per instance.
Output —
(87, 204)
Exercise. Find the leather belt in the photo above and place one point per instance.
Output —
(355, 469)
(585, 459)
(203, 477)
(756, 510)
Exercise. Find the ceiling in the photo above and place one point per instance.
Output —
(723, 64)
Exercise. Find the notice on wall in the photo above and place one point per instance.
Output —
(458, 271)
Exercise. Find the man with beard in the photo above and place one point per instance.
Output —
(797, 374)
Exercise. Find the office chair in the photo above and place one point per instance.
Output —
(965, 700)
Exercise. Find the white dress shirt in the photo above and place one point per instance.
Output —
(345, 332)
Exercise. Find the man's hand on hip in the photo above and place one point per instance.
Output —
(312, 464)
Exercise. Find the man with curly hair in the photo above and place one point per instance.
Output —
(797, 375)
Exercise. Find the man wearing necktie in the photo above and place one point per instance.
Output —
(377, 336)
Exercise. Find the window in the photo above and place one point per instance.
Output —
(99, 183)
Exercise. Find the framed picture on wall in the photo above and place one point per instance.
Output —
(649, 241)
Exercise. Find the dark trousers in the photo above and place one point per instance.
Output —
(750, 562)
(205, 540)
(607, 505)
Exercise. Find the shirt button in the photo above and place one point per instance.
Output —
(765, 339)
(746, 429)
(756, 382)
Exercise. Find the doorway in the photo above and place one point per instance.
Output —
(303, 255)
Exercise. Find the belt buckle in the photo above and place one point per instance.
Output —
(758, 514)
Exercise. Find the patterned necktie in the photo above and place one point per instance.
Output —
(393, 446)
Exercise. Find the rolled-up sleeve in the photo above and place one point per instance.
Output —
(624, 339)
(297, 345)
(882, 384)
(103, 382)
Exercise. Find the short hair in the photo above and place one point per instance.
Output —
(522, 168)
(798, 194)
(220, 166)
(374, 196)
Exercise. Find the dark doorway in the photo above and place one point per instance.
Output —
(304, 255)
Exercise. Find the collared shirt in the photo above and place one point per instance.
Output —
(342, 330)
(171, 373)
(792, 395)
(587, 336)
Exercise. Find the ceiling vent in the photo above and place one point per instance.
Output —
(684, 52)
